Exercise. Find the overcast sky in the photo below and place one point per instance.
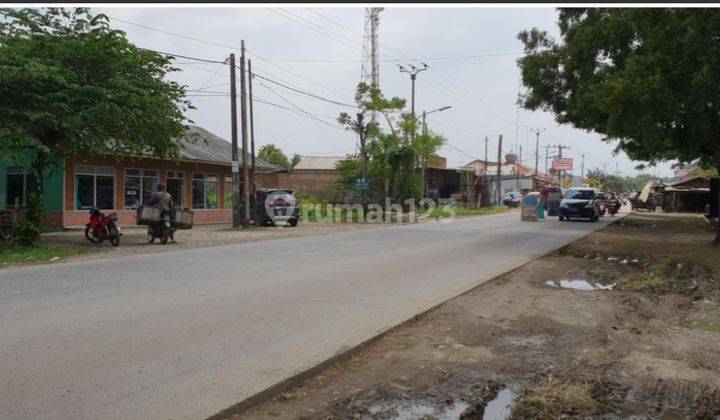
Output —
(319, 50)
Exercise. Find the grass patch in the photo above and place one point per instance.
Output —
(459, 210)
(15, 254)
(555, 399)
(706, 326)
(642, 282)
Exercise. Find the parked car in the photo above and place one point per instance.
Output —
(581, 203)
(512, 199)
(277, 207)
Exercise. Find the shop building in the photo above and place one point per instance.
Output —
(200, 179)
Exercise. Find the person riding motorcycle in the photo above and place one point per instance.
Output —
(162, 200)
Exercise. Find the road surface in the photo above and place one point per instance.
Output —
(187, 333)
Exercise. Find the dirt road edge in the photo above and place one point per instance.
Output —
(346, 355)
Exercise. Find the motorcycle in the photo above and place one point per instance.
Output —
(102, 227)
(613, 206)
(162, 230)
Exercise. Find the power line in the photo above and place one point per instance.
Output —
(175, 34)
(304, 92)
(234, 48)
(297, 107)
(394, 60)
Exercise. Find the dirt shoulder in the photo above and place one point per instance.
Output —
(644, 341)
(134, 238)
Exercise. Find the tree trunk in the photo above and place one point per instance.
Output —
(716, 242)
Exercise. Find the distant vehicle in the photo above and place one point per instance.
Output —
(580, 203)
(277, 207)
(512, 199)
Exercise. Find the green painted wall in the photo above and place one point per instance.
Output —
(53, 184)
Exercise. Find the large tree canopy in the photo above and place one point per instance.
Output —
(648, 79)
(70, 85)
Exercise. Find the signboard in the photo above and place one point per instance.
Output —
(235, 166)
(361, 185)
(530, 204)
(562, 164)
(568, 182)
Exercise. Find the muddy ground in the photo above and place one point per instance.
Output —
(522, 346)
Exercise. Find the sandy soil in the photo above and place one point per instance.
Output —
(134, 239)
(520, 346)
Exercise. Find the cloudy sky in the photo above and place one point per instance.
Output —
(471, 54)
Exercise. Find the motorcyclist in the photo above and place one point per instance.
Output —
(162, 200)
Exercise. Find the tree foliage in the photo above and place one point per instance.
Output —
(392, 156)
(73, 86)
(274, 155)
(648, 78)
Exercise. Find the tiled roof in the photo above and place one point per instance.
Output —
(203, 146)
(319, 162)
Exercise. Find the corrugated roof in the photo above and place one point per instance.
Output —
(203, 146)
(319, 162)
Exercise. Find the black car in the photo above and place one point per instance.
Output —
(580, 203)
(512, 199)
(277, 207)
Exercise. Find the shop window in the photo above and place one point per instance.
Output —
(176, 186)
(140, 184)
(205, 191)
(94, 187)
(18, 184)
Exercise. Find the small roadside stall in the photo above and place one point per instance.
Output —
(530, 203)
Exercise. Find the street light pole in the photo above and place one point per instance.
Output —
(413, 71)
(424, 149)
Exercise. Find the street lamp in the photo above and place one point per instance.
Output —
(424, 163)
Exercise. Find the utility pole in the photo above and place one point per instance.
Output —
(423, 171)
(413, 71)
(560, 149)
(582, 166)
(517, 168)
(499, 173)
(547, 155)
(252, 133)
(234, 135)
(485, 199)
(537, 149)
(243, 116)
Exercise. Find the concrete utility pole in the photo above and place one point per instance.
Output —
(252, 133)
(413, 75)
(537, 146)
(424, 156)
(243, 116)
(234, 153)
(560, 149)
(499, 173)
(547, 155)
(517, 167)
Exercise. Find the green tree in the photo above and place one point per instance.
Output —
(295, 160)
(274, 155)
(645, 78)
(72, 86)
(369, 99)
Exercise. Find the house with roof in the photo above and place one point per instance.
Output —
(200, 178)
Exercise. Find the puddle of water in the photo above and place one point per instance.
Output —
(406, 411)
(501, 406)
(579, 284)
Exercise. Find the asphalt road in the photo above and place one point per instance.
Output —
(185, 334)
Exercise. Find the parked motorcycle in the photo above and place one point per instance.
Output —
(102, 227)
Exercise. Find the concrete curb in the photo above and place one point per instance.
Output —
(346, 355)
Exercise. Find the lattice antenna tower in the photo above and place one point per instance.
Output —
(370, 72)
